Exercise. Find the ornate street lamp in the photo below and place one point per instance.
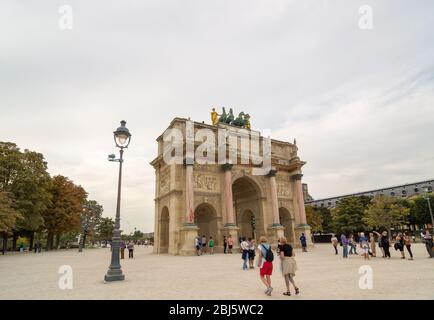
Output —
(84, 227)
(427, 190)
(122, 137)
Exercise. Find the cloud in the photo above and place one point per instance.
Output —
(360, 103)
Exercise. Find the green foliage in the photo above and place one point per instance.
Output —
(348, 214)
(104, 229)
(25, 176)
(23, 242)
(385, 212)
(314, 219)
(8, 214)
(137, 235)
(91, 215)
(419, 210)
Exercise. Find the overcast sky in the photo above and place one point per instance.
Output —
(359, 102)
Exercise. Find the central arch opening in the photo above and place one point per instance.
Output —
(246, 196)
(206, 220)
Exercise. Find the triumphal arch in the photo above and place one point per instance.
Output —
(221, 179)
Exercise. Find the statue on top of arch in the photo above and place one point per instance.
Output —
(242, 121)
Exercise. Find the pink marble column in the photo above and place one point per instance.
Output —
(189, 194)
(230, 219)
(274, 198)
(300, 198)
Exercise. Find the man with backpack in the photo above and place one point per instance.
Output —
(265, 264)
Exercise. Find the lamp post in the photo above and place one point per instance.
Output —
(122, 137)
(426, 191)
(83, 228)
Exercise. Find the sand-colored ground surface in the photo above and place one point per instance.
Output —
(321, 275)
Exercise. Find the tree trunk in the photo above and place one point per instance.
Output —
(49, 241)
(5, 243)
(32, 235)
(57, 241)
(84, 239)
(14, 241)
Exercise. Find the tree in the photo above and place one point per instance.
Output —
(25, 176)
(104, 229)
(8, 217)
(385, 212)
(314, 219)
(64, 213)
(419, 210)
(348, 214)
(90, 217)
(138, 235)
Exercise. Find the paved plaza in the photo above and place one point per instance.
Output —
(321, 275)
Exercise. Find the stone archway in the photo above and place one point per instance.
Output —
(205, 218)
(287, 222)
(246, 196)
(247, 224)
(164, 231)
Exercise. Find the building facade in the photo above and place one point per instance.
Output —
(228, 199)
(404, 191)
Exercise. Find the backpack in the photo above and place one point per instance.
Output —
(269, 256)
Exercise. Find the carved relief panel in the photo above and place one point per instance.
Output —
(164, 180)
(206, 182)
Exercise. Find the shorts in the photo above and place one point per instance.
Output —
(230, 246)
(267, 269)
(197, 247)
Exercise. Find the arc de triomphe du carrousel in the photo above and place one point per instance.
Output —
(225, 179)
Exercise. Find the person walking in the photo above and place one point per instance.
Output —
(345, 243)
(372, 244)
(303, 242)
(335, 243)
(265, 264)
(399, 244)
(289, 265)
(197, 245)
(230, 244)
(225, 244)
(131, 250)
(385, 243)
(38, 247)
(353, 246)
(427, 237)
(211, 245)
(364, 245)
(251, 243)
(244, 246)
(203, 242)
(407, 243)
(123, 246)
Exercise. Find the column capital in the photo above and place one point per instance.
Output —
(227, 166)
(297, 176)
(272, 173)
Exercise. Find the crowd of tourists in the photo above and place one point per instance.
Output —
(367, 244)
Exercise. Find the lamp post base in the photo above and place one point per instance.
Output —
(114, 275)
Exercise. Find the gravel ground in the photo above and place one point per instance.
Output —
(321, 275)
